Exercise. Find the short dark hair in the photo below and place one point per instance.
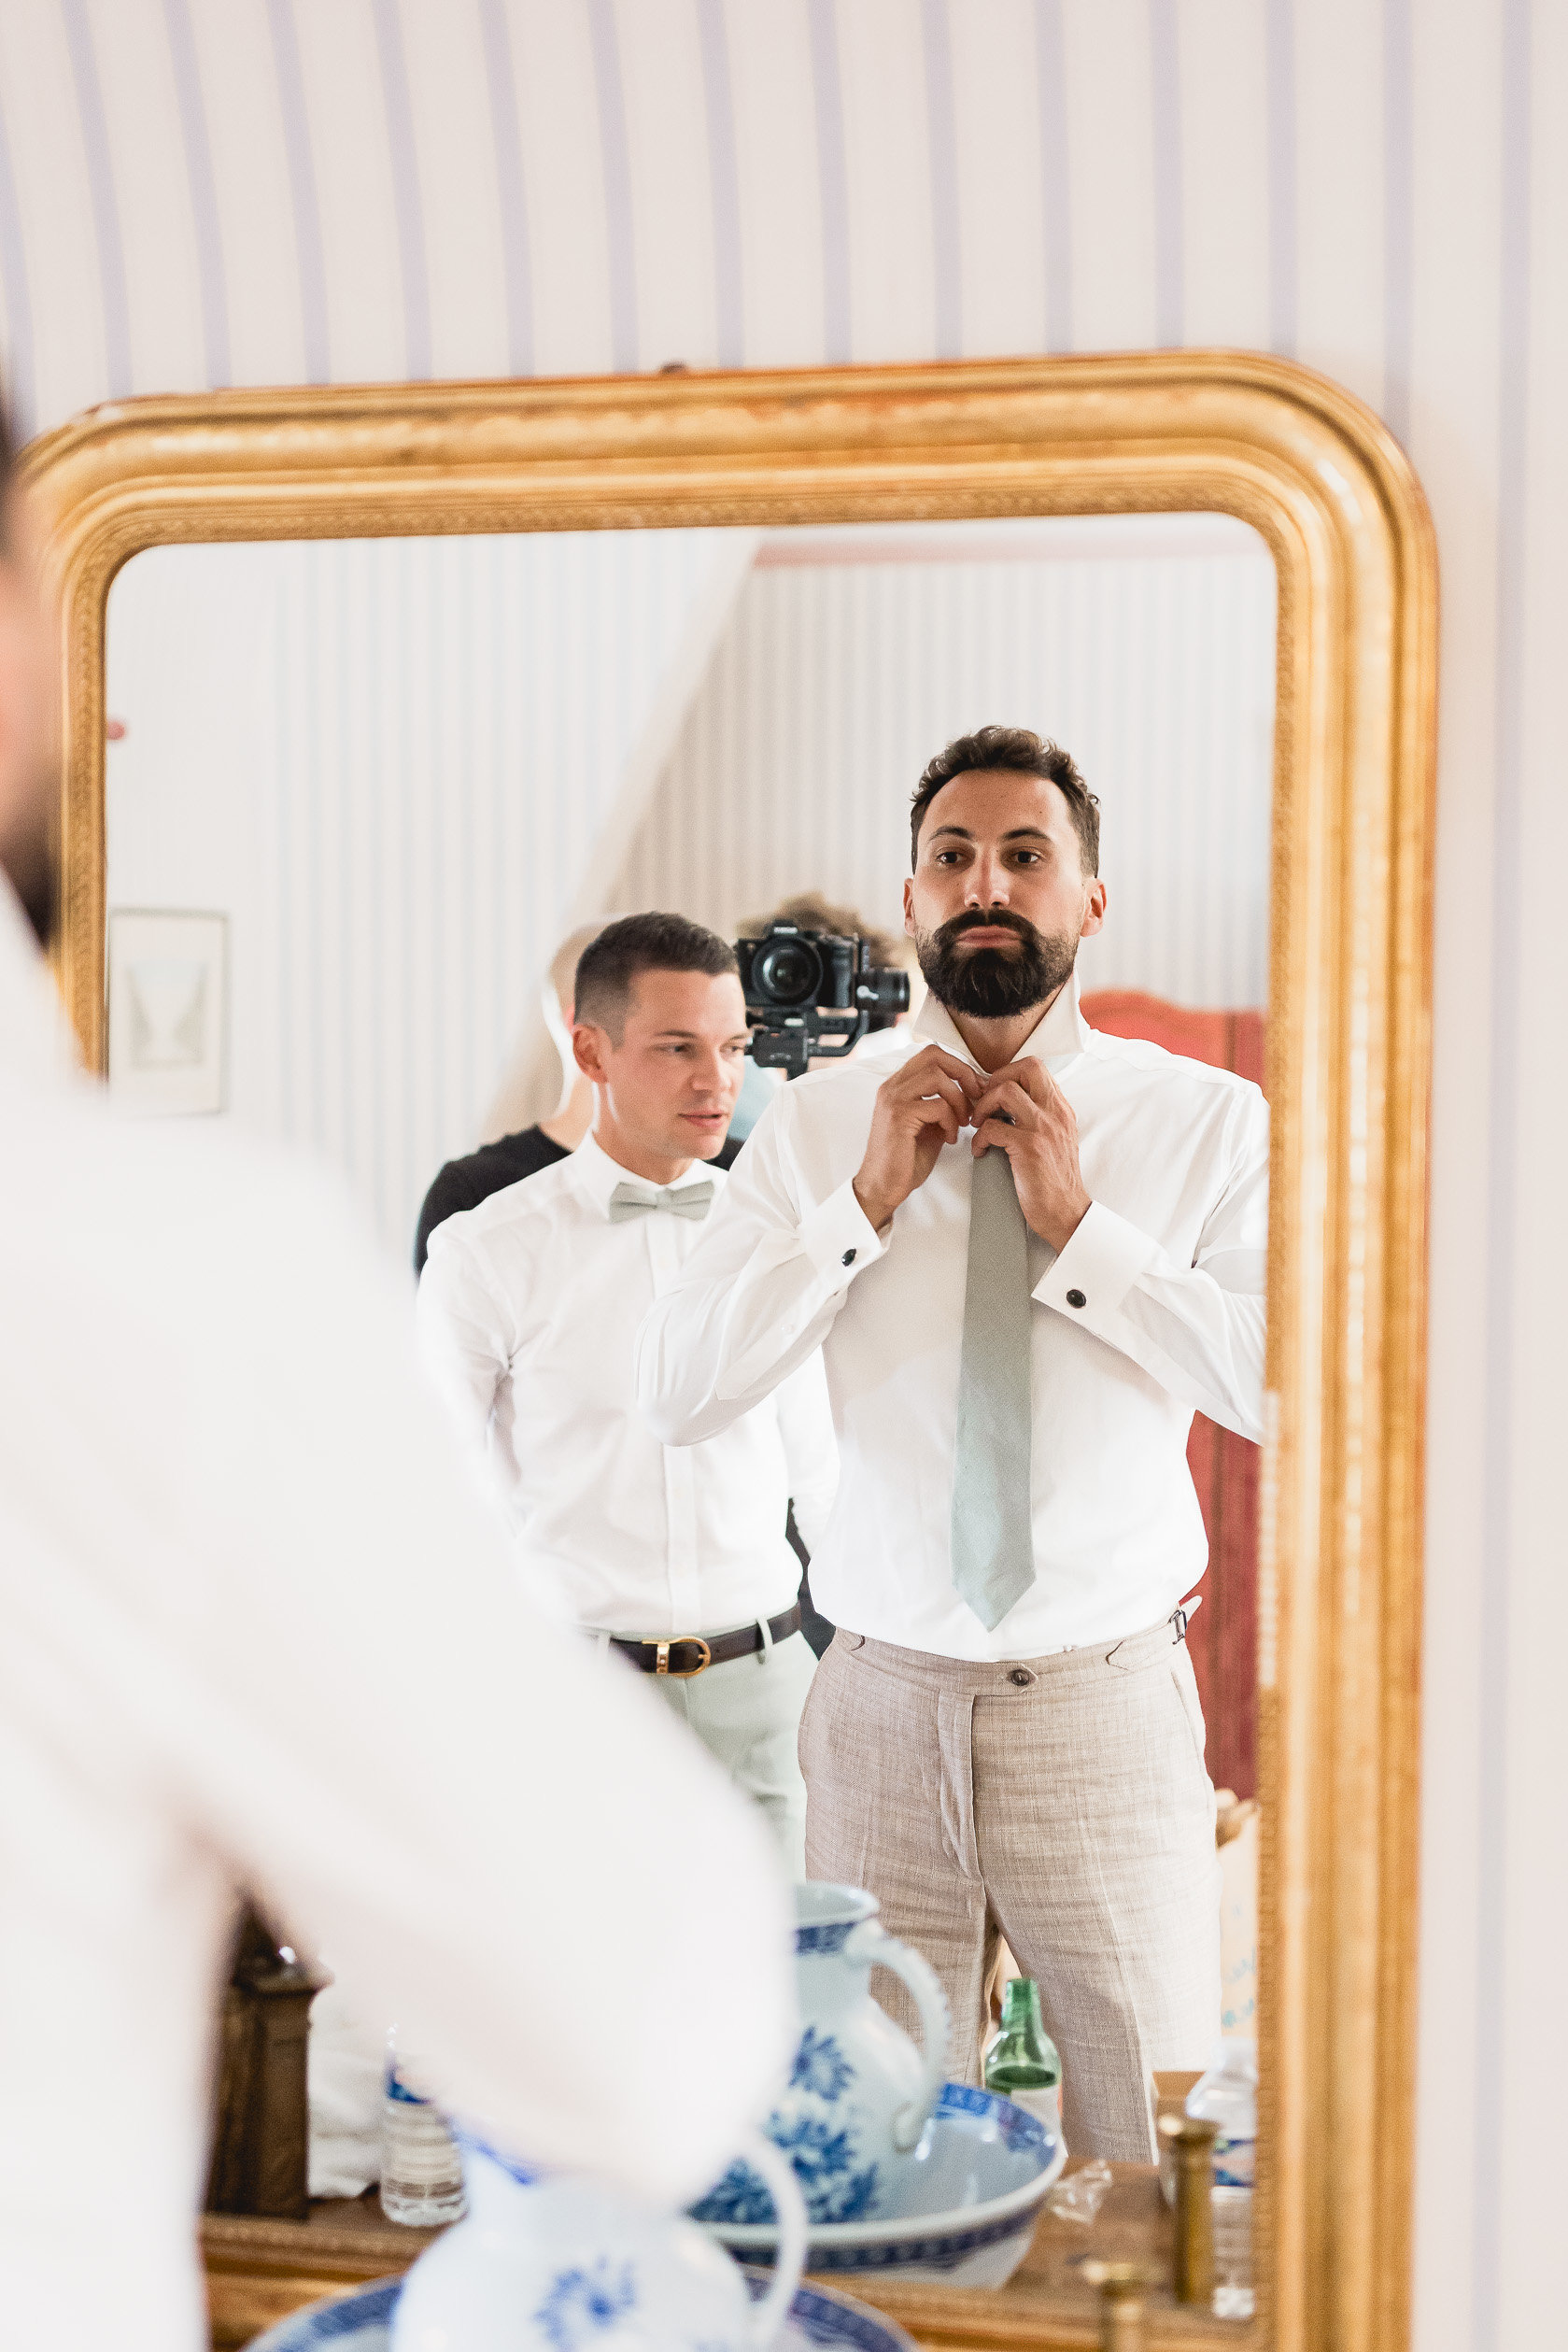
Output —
(1016, 751)
(637, 944)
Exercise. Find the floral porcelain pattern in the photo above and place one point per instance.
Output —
(582, 2303)
(859, 2091)
(821, 2132)
(568, 2264)
(986, 2167)
(820, 2066)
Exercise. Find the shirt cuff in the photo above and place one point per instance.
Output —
(1098, 1268)
(839, 1238)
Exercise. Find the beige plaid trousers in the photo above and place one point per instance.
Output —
(1059, 1802)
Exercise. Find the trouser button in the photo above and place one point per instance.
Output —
(1021, 1675)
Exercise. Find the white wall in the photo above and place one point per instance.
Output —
(392, 764)
(200, 191)
(1144, 644)
(404, 768)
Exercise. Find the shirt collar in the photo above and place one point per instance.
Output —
(36, 1037)
(1063, 1033)
(597, 1175)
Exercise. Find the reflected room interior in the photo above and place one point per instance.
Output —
(358, 792)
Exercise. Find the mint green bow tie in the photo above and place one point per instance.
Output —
(682, 1200)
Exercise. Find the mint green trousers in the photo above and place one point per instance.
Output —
(747, 1714)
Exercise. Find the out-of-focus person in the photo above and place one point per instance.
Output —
(256, 1632)
(463, 1183)
(529, 1312)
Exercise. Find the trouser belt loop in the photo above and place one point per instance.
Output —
(1182, 1616)
(766, 1651)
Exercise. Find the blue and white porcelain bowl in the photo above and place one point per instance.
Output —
(361, 2322)
(967, 2207)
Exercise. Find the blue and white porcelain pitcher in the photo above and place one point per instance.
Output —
(859, 2092)
(568, 2266)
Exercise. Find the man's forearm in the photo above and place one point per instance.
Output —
(1198, 1338)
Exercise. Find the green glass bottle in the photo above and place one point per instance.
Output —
(1021, 2063)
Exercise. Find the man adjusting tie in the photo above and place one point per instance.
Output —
(1027, 1255)
(529, 1309)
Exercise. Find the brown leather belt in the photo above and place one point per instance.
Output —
(699, 1652)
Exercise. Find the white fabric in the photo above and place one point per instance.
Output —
(1169, 1261)
(529, 1312)
(257, 1630)
(348, 2066)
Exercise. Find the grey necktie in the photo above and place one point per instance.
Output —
(682, 1200)
(992, 1537)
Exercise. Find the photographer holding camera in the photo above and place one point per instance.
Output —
(1028, 1255)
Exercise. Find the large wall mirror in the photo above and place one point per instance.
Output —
(371, 697)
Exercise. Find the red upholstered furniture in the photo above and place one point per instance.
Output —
(1223, 1634)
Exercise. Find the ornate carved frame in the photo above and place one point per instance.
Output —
(1319, 476)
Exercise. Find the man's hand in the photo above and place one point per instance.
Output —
(1042, 1141)
(924, 1105)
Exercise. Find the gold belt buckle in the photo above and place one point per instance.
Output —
(681, 1674)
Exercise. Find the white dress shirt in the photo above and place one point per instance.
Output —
(256, 1631)
(1155, 1307)
(529, 1312)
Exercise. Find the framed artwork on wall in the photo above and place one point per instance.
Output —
(168, 978)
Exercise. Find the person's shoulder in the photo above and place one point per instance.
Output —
(511, 1157)
(1144, 1063)
(823, 1110)
(463, 1183)
(513, 1213)
(822, 1095)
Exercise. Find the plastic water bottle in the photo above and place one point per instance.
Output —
(1227, 2095)
(421, 2169)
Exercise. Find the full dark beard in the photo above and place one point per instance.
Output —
(991, 983)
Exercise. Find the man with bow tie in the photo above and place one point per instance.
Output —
(675, 1556)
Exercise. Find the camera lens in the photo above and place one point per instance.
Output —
(786, 971)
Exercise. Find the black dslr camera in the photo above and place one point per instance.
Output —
(811, 995)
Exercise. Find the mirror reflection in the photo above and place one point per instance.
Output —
(800, 997)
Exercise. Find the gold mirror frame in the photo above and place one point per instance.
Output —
(1348, 1044)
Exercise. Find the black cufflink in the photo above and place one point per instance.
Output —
(1076, 1298)
(849, 1257)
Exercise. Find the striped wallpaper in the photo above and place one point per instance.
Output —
(837, 681)
(202, 192)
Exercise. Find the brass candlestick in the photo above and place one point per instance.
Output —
(1193, 2138)
(1121, 2285)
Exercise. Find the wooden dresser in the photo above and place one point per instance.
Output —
(259, 2270)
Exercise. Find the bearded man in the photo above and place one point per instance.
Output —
(1028, 1256)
